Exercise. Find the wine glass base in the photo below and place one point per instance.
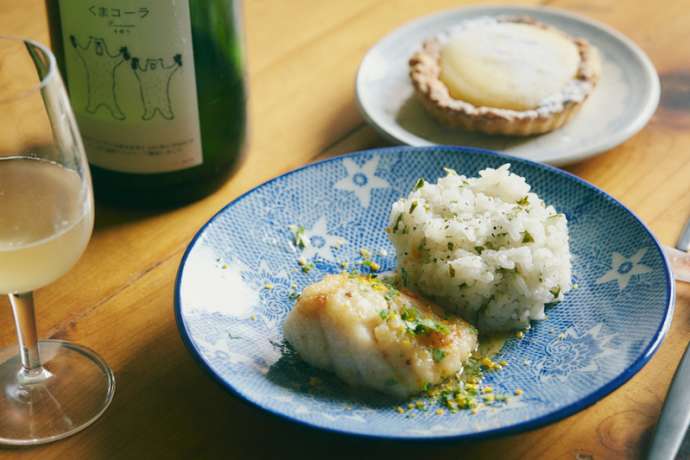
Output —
(77, 388)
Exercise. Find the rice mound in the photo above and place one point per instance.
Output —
(486, 248)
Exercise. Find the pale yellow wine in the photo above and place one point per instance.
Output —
(45, 222)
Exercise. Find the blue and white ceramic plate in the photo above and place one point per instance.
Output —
(623, 101)
(237, 281)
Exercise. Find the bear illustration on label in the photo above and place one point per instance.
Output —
(100, 65)
(154, 85)
(153, 76)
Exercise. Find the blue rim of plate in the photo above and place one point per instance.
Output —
(540, 421)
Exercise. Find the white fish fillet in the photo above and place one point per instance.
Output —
(370, 334)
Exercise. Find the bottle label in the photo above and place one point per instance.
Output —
(130, 73)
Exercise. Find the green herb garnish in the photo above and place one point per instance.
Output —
(527, 237)
(524, 201)
(397, 222)
(306, 266)
(438, 355)
(373, 266)
(408, 314)
(555, 292)
(391, 294)
(420, 326)
(298, 236)
(419, 184)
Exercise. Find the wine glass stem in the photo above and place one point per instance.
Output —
(25, 323)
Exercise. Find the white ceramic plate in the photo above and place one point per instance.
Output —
(624, 100)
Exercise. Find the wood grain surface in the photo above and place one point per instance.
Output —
(302, 60)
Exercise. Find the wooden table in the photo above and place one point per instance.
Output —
(303, 55)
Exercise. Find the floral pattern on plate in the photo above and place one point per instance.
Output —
(241, 273)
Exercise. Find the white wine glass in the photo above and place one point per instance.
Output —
(50, 389)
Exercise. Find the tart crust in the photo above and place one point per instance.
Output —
(425, 70)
